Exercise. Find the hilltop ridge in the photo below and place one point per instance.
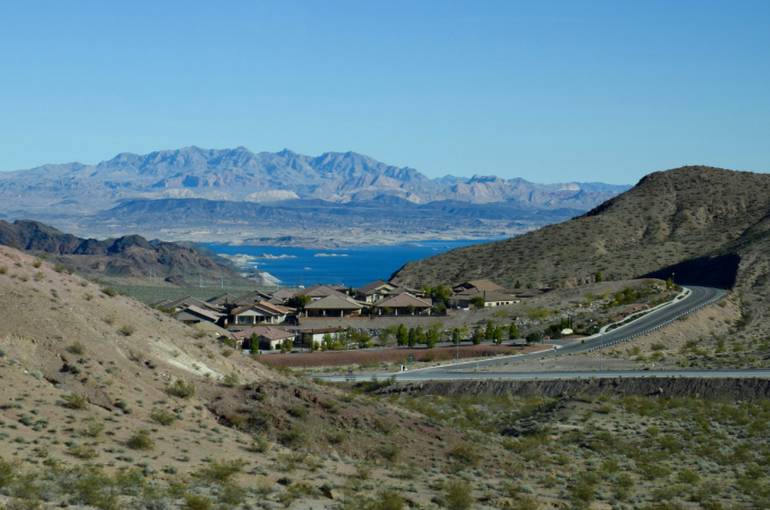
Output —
(126, 256)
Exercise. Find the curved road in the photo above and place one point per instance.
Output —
(697, 298)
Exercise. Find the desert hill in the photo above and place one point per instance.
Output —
(105, 402)
(700, 224)
(127, 256)
(667, 218)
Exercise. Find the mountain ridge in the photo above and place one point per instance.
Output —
(126, 256)
(235, 174)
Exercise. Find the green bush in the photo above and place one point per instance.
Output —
(220, 472)
(140, 440)
(196, 502)
(181, 389)
(292, 437)
(457, 495)
(7, 473)
(162, 417)
(231, 380)
(83, 452)
(388, 500)
(75, 401)
(464, 455)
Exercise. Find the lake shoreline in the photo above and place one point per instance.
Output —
(353, 266)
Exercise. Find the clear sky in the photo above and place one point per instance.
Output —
(546, 90)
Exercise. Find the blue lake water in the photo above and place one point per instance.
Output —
(353, 266)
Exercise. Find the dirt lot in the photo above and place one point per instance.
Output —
(394, 355)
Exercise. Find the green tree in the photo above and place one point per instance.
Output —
(535, 336)
(478, 336)
(489, 332)
(299, 302)
(419, 335)
(513, 331)
(402, 335)
(433, 336)
(440, 295)
(456, 336)
(497, 335)
(412, 339)
(477, 301)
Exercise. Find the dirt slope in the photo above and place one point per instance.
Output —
(85, 380)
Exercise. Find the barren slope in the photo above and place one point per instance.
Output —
(667, 218)
(85, 380)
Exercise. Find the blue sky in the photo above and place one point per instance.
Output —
(550, 91)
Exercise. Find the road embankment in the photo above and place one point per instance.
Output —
(708, 388)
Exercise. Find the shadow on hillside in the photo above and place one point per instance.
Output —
(720, 271)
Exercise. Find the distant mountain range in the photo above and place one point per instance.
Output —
(65, 194)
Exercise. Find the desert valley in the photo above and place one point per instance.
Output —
(516, 255)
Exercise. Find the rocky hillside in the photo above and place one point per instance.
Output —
(701, 224)
(128, 256)
(667, 218)
(109, 404)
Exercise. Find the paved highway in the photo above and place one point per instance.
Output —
(696, 298)
(469, 375)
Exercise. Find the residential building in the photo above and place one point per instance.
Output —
(374, 291)
(404, 303)
(334, 305)
(261, 312)
(265, 337)
(193, 314)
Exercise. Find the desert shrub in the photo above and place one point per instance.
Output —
(297, 411)
(232, 495)
(464, 455)
(92, 428)
(383, 426)
(7, 473)
(457, 495)
(37, 263)
(74, 401)
(162, 417)
(93, 488)
(220, 472)
(181, 389)
(389, 452)
(127, 330)
(197, 502)
(140, 440)
(76, 348)
(583, 490)
(82, 451)
(108, 291)
(292, 437)
(260, 444)
(231, 380)
(387, 500)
